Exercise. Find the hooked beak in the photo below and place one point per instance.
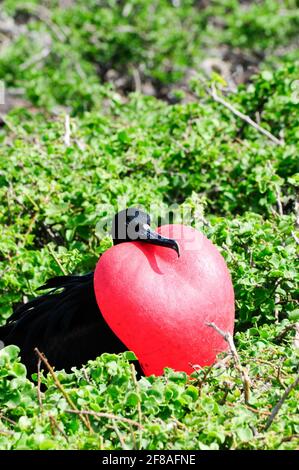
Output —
(147, 235)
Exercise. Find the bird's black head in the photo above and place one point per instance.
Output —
(133, 224)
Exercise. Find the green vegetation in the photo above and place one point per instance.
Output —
(61, 55)
(207, 412)
(179, 146)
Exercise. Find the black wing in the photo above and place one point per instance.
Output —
(65, 324)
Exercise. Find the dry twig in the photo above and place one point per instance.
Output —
(118, 433)
(36, 58)
(289, 438)
(99, 414)
(295, 238)
(212, 92)
(284, 332)
(279, 203)
(243, 372)
(296, 339)
(57, 260)
(6, 433)
(54, 424)
(44, 14)
(276, 307)
(250, 408)
(10, 126)
(137, 79)
(39, 395)
(280, 403)
(7, 419)
(60, 387)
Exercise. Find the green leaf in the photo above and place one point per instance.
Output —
(130, 356)
(294, 315)
(244, 434)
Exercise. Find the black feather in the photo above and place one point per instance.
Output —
(65, 324)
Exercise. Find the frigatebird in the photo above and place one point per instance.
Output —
(66, 323)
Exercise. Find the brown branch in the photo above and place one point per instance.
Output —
(296, 210)
(279, 203)
(279, 372)
(136, 79)
(118, 433)
(206, 372)
(133, 437)
(276, 307)
(258, 412)
(85, 375)
(212, 92)
(288, 438)
(277, 369)
(60, 387)
(242, 370)
(36, 58)
(56, 425)
(221, 363)
(43, 14)
(296, 339)
(280, 403)
(7, 419)
(99, 414)
(6, 433)
(10, 126)
(29, 230)
(295, 237)
(39, 396)
(228, 250)
(263, 412)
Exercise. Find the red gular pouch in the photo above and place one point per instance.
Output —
(159, 304)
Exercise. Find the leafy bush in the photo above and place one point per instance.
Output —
(206, 411)
(61, 53)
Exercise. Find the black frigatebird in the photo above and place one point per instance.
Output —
(66, 323)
